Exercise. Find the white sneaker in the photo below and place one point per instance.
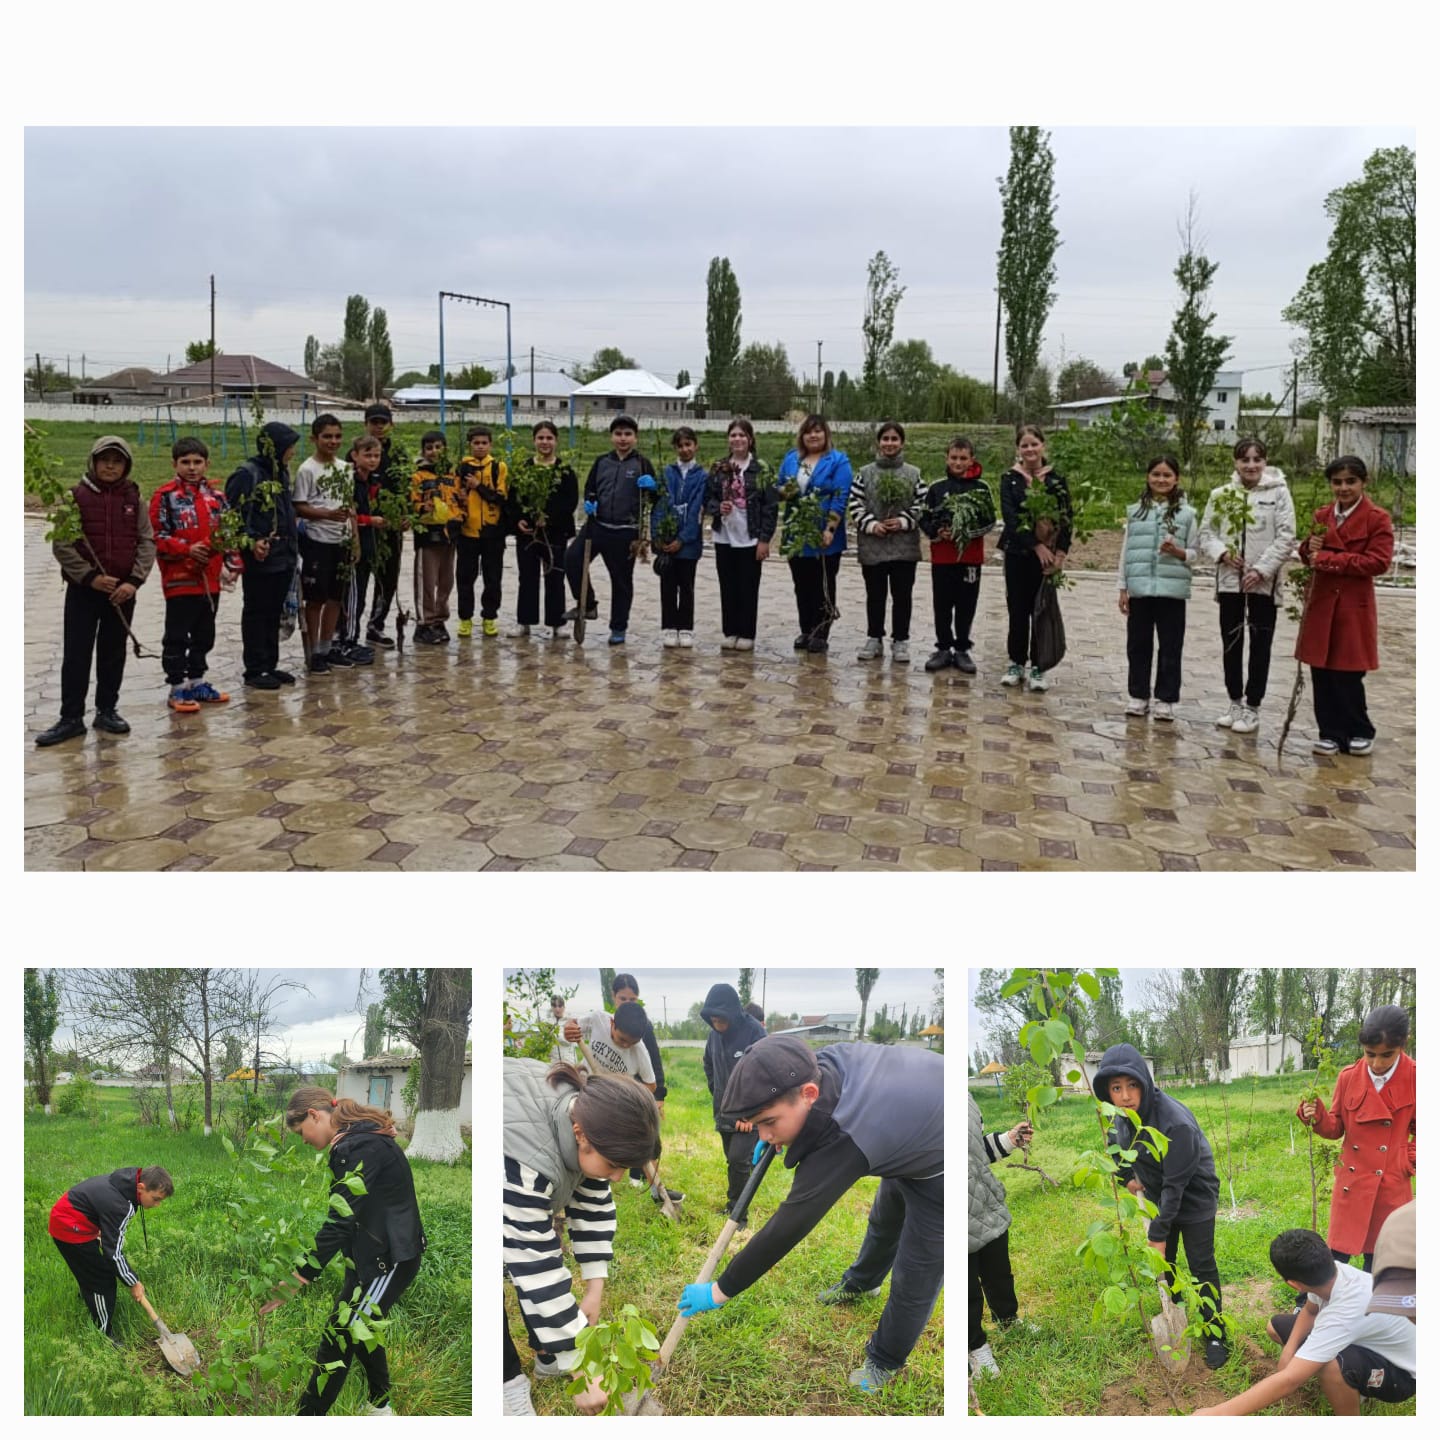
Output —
(1037, 680)
(520, 632)
(1248, 723)
(1138, 707)
(744, 642)
(1228, 719)
(687, 639)
(900, 652)
(1361, 747)
(517, 1396)
(1164, 710)
(1325, 747)
(379, 1410)
(670, 638)
(982, 1361)
(636, 1184)
(872, 649)
(1013, 675)
(728, 642)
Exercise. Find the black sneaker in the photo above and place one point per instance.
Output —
(817, 646)
(111, 722)
(360, 654)
(318, 665)
(800, 642)
(338, 659)
(60, 731)
(675, 1196)
(283, 676)
(592, 612)
(963, 663)
(1217, 1352)
(262, 682)
(837, 1294)
(378, 637)
(939, 660)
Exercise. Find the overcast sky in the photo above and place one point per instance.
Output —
(803, 991)
(600, 237)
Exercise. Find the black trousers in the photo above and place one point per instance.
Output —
(353, 602)
(189, 637)
(1023, 579)
(1199, 1241)
(1153, 618)
(1239, 612)
(737, 567)
(897, 579)
(534, 557)
(260, 611)
(992, 1280)
(905, 1239)
(738, 1146)
(387, 581)
(677, 594)
(955, 590)
(482, 555)
(613, 547)
(379, 1296)
(1368, 1258)
(1340, 713)
(1362, 1369)
(813, 577)
(95, 1275)
(92, 627)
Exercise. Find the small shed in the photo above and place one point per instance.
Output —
(1383, 436)
(1092, 1063)
(380, 1079)
(1250, 1055)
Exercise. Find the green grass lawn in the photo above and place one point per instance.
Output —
(71, 1370)
(774, 1349)
(1074, 1366)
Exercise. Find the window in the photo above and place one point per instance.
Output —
(539, 404)
(1220, 396)
(1219, 425)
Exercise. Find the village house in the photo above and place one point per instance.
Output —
(380, 1079)
(1250, 1055)
(633, 392)
(1222, 404)
(237, 375)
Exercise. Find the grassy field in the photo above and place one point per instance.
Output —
(773, 1350)
(71, 1370)
(1074, 1367)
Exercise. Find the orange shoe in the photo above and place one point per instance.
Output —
(207, 694)
(181, 702)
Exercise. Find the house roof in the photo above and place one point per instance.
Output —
(249, 370)
(1379, 415)
(549, 383)
(1260, 1040)
(388, 1062)
(1095, 400)
(133, 377)
(424, 394)
(636, 384)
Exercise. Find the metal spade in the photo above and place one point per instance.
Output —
(1167, 1334)
(179, 1352)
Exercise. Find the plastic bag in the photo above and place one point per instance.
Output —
(291, 610)
(1047, 637)
(661, 564)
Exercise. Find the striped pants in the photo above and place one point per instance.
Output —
(95, 1276)
(379, 1295)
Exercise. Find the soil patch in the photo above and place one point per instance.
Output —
(1146, 1393)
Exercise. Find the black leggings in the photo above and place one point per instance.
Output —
(1023, 578)
(1199, 1238)
(95, 1275)
(897, 579)
(379, 1295)
(991, 1279)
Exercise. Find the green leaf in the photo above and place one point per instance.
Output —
(1059, 1033)
(648, 1338)
(1114, 1298)
(1061, 978)
(229, 1147)
(1072, 1076)
(1106, 1108)
(1037, 1000)
(1017, 982)
(1089, 984)
(1127, 1205)
(341, 1206)
(1107, 1164)
(1042, 1095)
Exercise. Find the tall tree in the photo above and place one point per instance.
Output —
(199, 350)
(1108, 1025)
(763, 385)
(844, 402)
(864, 984)
(827, 391)
(909, 370)
(234, 1051)
(382, 353)
(607, 989)
(1028, 241)
(956, 399)
(1220, 992)
(605, 360)
(722, 332)
(431, 1010)
(1265, 1006)
(883, 293)
(682, 379)
(747, 979)
(1193, 356)
(357, 318)
(1082, 379)
(42, 1016)
(209, 1010)
(374, 1029)
(312, 356)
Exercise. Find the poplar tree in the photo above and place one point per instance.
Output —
(883, 293)
(722, 332)
(1193, 356)
(1025, 273)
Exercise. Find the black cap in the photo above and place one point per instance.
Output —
(769, 1068)
(623, 422)
(378, 411)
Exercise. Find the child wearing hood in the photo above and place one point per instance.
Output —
(732, 1033)
(103, 569)
(1183, 1185)
(956, 561)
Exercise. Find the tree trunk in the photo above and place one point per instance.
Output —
(205, 1034)
(169, 1097)
(442, 1067)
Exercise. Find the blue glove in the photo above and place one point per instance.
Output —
(759, 1146)
(645, 482)
(590, 507)
(696, 1300)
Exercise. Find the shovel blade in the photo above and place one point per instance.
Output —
(180, 1354)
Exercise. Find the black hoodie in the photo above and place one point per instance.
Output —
(260, 521)
(722, 1051)
(1184, 1181)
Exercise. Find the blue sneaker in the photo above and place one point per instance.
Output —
(617, 637)
(206, 694)
(870, 1377)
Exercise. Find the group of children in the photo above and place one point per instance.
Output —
(1338, 1332)
(848, 1111)
(334, 527)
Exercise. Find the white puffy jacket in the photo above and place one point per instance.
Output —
(1268, 543)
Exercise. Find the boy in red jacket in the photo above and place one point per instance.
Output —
(185, 514)
(956, 561)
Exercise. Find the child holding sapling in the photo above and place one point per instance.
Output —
(732, 1033)
(435, 508)
(957, 557)
(1183, 1185)
(325, 543)
(364, 458)
(884, 508)
(1248, 530)
(814, 478)
(676, 536)
(1338, 632)
(483, 490)
(543, 528)
(1373, 1115)
(744, 511)
(1157, 550)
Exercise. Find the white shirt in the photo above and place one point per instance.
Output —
(307, 492)
(734, 527)
(1378, 1081)
(1342, 1321)
(610, 1056)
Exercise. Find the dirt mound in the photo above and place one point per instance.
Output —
(1146, 1392)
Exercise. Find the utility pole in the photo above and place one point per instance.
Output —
(818, 345)
(764, 976)
(1295, 396)
(67, 367)
(39, 377)
(82, 366)
(212, 341)
(995, 378)
(664, 1012)
(532, 377)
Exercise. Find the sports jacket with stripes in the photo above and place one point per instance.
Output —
(106, 1202)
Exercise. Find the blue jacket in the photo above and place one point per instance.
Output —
(686, 499)
(1144, 571)
(831, 481)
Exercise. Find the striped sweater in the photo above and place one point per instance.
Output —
(532, 1252)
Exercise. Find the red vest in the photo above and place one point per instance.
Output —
(110, 520)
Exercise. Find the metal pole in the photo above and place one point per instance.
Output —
(442, 359)
(818, 345)
(532, 377)
(509, 372)
(572, 419)
(212, 339)
(995, 379)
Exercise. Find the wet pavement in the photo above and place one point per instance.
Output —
(510, 754)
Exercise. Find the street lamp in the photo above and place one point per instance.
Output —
(509, 368)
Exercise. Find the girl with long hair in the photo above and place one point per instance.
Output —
(815, 465)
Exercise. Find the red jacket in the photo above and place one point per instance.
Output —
(69, 1225)
(183, 515)
(1377, 1152)
(1339, 632)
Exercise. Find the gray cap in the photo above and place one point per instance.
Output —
(769, 1068)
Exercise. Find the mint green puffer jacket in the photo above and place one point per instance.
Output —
(1144, 571)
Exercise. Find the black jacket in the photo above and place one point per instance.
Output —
(261, 522)
(1184, 1184)
(762, 501)
(1017, 534)
(560, 507)
(611, 485)
(384, 1225)
(935, 517)
(722, 1051)
(109, 1201)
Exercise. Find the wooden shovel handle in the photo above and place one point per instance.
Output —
(707, 1271)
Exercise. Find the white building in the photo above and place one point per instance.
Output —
(1222, 406)
(379, 1081)
(427, 397)
(632, 392)
(1248, 1056)
(1092, 1064)
(1383, 436)
(551, 390)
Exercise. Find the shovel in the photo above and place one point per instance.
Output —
(1168, 1329)
(179, 1352)
(584, 600)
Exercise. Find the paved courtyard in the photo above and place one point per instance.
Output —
(530, 754)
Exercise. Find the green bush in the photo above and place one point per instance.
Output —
(1020, 1078)
(80, 1097)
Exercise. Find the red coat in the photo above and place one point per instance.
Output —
(1339, 632)
(183, 515)
(1377, 1152)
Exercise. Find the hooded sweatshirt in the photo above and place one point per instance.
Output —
(1184, 1184)
(263, 522)
(1266, 544)
(116, 535)
(722, 1051)
(935, 517)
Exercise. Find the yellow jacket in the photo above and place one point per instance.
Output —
(426, 488)
(478, 512)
